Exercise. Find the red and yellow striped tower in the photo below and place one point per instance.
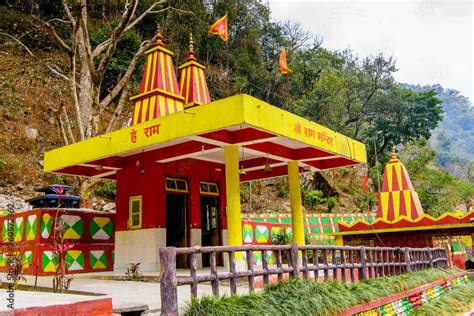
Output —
(159, 94)
(398, 198)
(193, 85)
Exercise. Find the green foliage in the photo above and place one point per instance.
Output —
(283, 237)
(314, 198)
(21, 26)
(455, 301)
(438, 191)
(59, 179)
(455, 134)
(365, 202)
(106, 189)
(282, 187)
(3, 163)
(331, 202)
(133, 272)
(309, 297)
(343, 171)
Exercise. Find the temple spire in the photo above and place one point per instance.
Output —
(398, 197)
(193, 85)
(158, 95)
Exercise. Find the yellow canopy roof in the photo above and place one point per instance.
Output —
(266, 133)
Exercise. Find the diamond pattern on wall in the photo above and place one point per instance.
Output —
(19, 226)
(101, 228)
(257, 257)
(261, 234)
(3, 260)
(270, 257)
(31, 224)
(97, 259)
(27, 258)
(45, 227)
(48, 261)
(5, 231)
(73, 226)
(247, 232)
(75, 260)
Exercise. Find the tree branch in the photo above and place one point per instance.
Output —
(104, 45)
(125, 78)
(68, 13)
(54, 71)
(57, 38)
(86, 42)
(114, 38)
(68, 125)
(61, 127)
(118, 111)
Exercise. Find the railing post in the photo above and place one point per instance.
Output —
(407, 259)
(363, 268)
(294, 260)
(430, 257)
(168, 281)
(447, 263)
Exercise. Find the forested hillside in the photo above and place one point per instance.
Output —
(68, 70)
(454, 137)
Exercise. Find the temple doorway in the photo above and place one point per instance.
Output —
(209, 225)
(177, 224)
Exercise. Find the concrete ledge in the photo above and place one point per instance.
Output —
(91, 307)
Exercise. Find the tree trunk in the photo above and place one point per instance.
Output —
(86, 192)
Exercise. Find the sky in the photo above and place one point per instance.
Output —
(432, 41)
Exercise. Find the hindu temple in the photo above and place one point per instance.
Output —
(179, 165)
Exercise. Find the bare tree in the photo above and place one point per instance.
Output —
(297, 36)
(86, 67)
(85, 70)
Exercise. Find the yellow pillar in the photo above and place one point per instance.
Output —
(232, 182)
(295, 202)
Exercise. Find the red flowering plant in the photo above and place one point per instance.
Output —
(60, 246)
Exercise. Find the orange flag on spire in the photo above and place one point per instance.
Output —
(220, 28)
(283, 65)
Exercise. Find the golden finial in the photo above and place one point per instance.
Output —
(394, 153)
(191, 42)
(158, 36)
(158, 29)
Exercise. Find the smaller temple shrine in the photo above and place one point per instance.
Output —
(401, 222)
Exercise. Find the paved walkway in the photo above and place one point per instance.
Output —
(123, 293)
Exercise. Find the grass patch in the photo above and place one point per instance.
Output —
(457, 300)
(312, 298)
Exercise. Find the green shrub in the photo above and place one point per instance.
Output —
(314, 198)
(457, 300)
(282, 187)
(331, 202)
(309, 297)
(106, 189)
(283, 237)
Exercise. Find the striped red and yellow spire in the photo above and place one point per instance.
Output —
(193, 85)
(398, 198)
(158, 94)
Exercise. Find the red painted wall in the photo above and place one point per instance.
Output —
(151, 186)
